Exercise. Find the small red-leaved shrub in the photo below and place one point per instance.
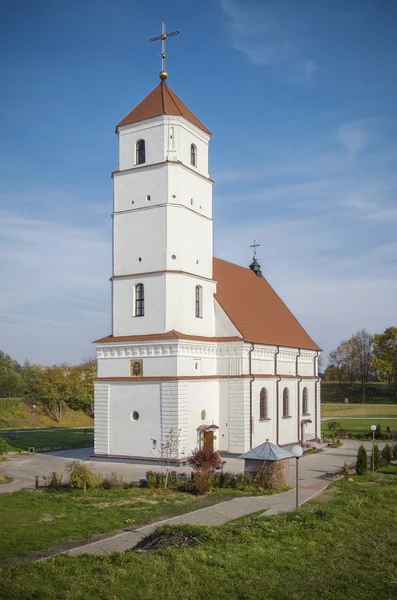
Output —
(202, 460)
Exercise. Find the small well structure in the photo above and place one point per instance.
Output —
(266, 452)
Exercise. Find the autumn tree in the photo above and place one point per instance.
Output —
(362, 344)
(385, 357)
(56, 390)
(81, 390)
(11, 384)
(33, 381)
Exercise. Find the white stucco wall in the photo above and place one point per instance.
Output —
(128, 437)
(203, 395)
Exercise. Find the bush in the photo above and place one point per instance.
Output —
(4, 447)
(388, 434)
(395, 452)
(202, 460)
(376, 457)
(378, 432)
(346, 472)
(387, 455)
(111, 482)
(81, 476)
(362, 461)
(54, 480)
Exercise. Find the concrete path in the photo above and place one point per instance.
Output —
(311, 481)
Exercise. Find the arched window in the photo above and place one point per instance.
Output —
(263, 405)
(305, 404)
(199, 301)
(140, 152)
(139, 300)
(193, 155)
(286, 402)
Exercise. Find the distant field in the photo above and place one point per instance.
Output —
(377, 393)
(359, 410)
(356, 426)
(15, 413)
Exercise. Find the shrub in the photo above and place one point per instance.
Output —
(362, 461)
(203, 481)
(388, 434)
(203, 460)
(4, 447)
(378, 432)
(346, 472)
(81, 476)
(54, 480)
(395, 452)
(376, 457)
(271, 476)
(111, 482)
(387, 453)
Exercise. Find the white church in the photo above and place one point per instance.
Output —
(198, 344)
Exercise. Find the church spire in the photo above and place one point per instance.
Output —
(255, 266)
(163, 73)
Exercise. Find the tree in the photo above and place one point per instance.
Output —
(376, 457)
(10, 377)
(362, 461)
(82, 386)
(169, 451)
(33, 381)
(56, 390)
(386, 453)
(385, 357)
(362, 346)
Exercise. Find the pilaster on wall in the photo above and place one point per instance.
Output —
(318, 414)
(239, 416)
(174, 411)
(101, 418)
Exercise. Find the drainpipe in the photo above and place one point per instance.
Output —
(315, 395)
(251, 382)
(299, 395)
(277, 394)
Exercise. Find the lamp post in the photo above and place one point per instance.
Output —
(34, 416)
(373, 429)
(297, 451)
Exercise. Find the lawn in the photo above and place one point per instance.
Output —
(33, 521)
(356, 426)
(339, 410)
(43, 440)
(17, 413)
(340, 545)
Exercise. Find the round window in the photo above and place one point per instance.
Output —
(134, 416)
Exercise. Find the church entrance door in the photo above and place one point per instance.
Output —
(209, 441)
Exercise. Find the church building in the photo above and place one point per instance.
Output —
(198, 344)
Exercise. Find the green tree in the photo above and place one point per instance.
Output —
(11, 384)
(386, 453)
(376, 457)
(362, 347)
(385, 357)
(33, 381)
(82, 386)
(362, 461)
(395, 452)
(56, 390)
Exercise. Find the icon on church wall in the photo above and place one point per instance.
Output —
(136, 368)
(203, 414)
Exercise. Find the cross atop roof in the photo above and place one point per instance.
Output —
(163, 74)
(255, 246)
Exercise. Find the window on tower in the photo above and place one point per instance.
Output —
(193, 155)
(199, 302)
(263, 405)
(140, 152)
(139, 300)
(286, 402)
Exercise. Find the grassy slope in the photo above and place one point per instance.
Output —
(16, 414)
(342, 548)
(376, 393)
(359, 410)
(33, 521)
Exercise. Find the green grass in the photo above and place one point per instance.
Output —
(49, 440)
(377, 393)
(15, 413)
(360, 425)
(339, 410)
(341, 545)
(34, 521)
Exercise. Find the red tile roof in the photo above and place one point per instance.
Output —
(161, 101)
(255, 309)
(169, 335)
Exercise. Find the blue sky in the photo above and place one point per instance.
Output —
(301, 98)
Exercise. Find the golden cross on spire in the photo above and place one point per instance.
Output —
(164, 35)
(255, 246)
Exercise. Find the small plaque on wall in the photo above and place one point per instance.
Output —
(136, 368)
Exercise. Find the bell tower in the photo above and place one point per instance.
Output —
(162, 221)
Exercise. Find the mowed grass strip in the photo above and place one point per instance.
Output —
(76, 438)
(356, 426)
(330, 549)
(359, 410)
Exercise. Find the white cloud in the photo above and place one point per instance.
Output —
(263, 34)
(355, 136)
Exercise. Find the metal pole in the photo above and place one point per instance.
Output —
(297, 482)
(373, 452)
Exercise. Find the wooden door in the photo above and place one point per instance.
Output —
(209, 441)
